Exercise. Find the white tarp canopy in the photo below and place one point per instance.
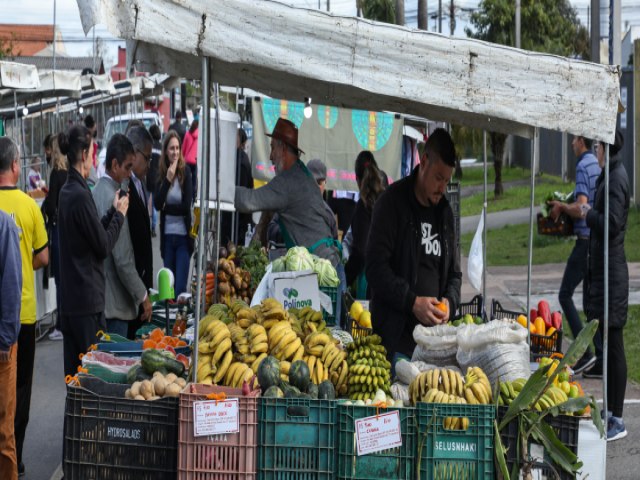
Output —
(295, 53)
(18, 75)
(58, 83)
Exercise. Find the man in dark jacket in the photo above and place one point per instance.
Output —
(411, 258)
(179, 127)
(138, 215)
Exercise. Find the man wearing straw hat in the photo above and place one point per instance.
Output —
(294, 195)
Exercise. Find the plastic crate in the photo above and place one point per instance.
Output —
(355, 330)
(566, 428)
(393, 464)
(450, 454)
(332, 292)
(541, 345)
(109, 437)
(561, 228)
(217, 457)
(298, 438)
(474, 308)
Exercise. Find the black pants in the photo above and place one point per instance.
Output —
(24, 381)
(616, 371)
(574, 273)
(79, 333)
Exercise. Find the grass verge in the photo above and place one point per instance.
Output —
(475, 175)
(510, 245)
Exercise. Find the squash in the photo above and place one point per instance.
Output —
(269, 373)
(153, 360)
(299, 375)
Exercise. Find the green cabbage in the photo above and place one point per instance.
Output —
(327, 275)
(278, 265)
(298, 259)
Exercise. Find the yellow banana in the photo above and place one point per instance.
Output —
(299, 353)
(311, 362)
(453, 382)
(259, 338)
(480, 393)
(222, 348)
(224, 366)
(445, 381)
(328, 351)
(231, 371)
(205, 347)
(246, 376)
(258, 361)
(468, 395)
(221, 335)
(316, 351)
(317, 338)
(261, 347)
(337, 360)
(238, 374)
(285, 341)
(289, 350)
(277, 332)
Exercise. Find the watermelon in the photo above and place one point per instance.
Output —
(313, 391)
(289, 390)
(273, 392)
(326, 391)
(269, 373)
(299, 375)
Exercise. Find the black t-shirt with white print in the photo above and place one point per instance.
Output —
(430, 253)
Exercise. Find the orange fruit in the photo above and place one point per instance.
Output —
(161, 345)
(148, 343)
(522, 320)
(181, 343)
(156, 335)
(442, 306)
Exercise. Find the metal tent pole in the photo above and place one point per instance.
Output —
(204, 203)
(484, 223)
(216, 92)
(605, 326)
(535, 151)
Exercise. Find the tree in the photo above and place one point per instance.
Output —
(7, 47)
(549, 26)
(379, 10)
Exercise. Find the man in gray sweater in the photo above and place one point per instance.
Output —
(294, 195)
(125, 290)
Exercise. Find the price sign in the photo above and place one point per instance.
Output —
(381, 432)
(211, 417)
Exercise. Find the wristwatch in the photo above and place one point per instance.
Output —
(584, 208)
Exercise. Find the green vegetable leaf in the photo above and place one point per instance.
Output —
(501, 453)
(560, 454)
(572, 405)
(578, 347)
(527, 396)
(595, 416)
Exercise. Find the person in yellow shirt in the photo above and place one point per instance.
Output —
(34, 252)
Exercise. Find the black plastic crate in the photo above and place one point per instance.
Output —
(474, 308)
(297, 439)
(109, 437)
(392, 464)
(566, 428)
(541, 346)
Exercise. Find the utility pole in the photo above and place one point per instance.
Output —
(423, 16)
(518, 29)
(399, 12)
(452, 18)
(614, 33)
(439, 16)
(595, 31)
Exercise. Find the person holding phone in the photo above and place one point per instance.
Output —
(125, 290)
(173, 201)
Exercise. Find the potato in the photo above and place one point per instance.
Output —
(127, 393)
(159, 385)
(139, 397)
(172, 390)
(146, 389)
(155, 397)
(156, 373)
(170, 378)
(181, 382)
(135, 389)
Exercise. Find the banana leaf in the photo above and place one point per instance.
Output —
(561, 455)
(578, 347)
(570, 406)
(501, 453)
(534, 387)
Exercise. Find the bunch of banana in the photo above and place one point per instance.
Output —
(333, 357)
(271, 312)
(283, 342)
(240, 340)
(477, 389)
(447, 381)
(236, 373)
(369, 369)
(316, 342)
(245, 317)
(319, 373)
(219, 311)
(509, 390)
(556, 394)
(311, 321)
(214, 351)
(236, 305)
(258, 340)
(434, 395)
(339, 377)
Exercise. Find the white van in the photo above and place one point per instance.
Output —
(118, 124)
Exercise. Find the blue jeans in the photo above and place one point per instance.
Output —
(117, 326)
(574, 273)
(176, 258)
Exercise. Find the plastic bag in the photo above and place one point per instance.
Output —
(475, 264)
(400, 391)
(435, 345)
(406, 371)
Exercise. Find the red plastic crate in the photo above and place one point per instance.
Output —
(217, 457)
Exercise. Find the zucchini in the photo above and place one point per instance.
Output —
(153, 360)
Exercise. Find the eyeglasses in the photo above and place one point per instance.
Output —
(147, 158)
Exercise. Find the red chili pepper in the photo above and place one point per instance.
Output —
(545, 312)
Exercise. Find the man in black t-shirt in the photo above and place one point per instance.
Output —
(412, 264)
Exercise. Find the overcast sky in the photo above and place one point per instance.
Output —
(68, 18)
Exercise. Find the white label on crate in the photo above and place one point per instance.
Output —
(211, 417)
(381, 432)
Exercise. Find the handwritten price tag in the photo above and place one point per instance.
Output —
(212, 417)
(381, 432)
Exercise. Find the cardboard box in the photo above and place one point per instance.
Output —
(295, 289)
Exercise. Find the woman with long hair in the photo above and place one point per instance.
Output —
(85, 240)
(57, 178)
(173, 201)
(370, 183)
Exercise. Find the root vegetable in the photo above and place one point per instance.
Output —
(172, 390)
(181, 382)
(135, 389)
(139, 397)
(146, 389)
(127, 393)
(170, 378)
(159, 385)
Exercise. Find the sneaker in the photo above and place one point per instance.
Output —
(615, 429)
(55, 335)
(21, 468)
(593, 372)
(585, 363)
